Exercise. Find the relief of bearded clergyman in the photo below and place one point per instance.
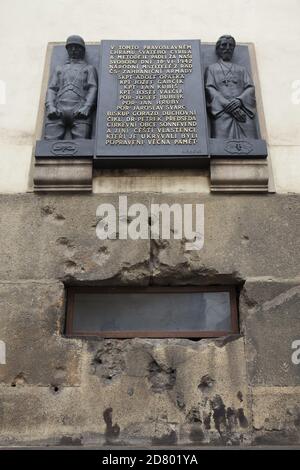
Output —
(230, 95)
(71, 95)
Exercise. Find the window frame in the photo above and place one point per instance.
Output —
(71, 291)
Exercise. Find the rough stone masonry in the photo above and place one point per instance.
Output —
(238, 390)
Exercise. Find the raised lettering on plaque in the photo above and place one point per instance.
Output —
(151, 100)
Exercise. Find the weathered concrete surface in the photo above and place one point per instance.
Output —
(46, 237)
(270, 321)
(55, 237)
(60, 391)
(31, 324)
(276, 415)
(196, 393)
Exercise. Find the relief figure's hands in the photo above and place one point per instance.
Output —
(239, 115)
(234, 104)
(53, 113)
(83, 112)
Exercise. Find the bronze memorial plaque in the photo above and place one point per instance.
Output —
(151, 102)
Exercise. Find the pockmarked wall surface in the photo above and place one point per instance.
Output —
(241, 389)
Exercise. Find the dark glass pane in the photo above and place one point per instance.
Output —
(182, 311)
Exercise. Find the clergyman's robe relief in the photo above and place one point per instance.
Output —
(224, 82)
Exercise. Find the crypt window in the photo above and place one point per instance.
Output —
(153, 312)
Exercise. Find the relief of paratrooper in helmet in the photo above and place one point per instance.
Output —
(71, 95)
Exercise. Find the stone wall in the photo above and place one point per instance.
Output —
(242, 389)
(238, 390)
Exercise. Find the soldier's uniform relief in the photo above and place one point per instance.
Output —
(71, 95)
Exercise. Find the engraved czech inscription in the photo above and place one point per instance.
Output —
(151, 96)
(151, 99)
